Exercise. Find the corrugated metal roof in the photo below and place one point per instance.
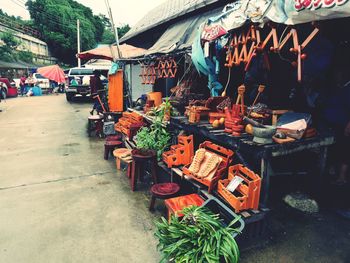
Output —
(181, 35)
(167, 11)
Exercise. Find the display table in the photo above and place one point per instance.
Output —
(148, 118)
(262, 153)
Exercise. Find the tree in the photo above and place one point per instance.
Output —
(123, 30)
(57, 19)
(26, 56)
(10, 44)
(108, 35)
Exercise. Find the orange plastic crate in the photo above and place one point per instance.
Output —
(251, 184)
(180, 154)
(249, 189)
(171, 159)
(226, 156)
(239, 202)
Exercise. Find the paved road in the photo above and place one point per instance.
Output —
(59, 200)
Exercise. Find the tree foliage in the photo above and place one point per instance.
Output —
(8, 47)
(108, 34)
(57, 21)
(13, 18)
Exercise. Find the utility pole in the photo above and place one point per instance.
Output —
(115, 29)
(78, 39)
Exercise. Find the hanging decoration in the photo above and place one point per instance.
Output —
(244, 47)
(162, 68)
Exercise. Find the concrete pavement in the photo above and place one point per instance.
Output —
(59, 200)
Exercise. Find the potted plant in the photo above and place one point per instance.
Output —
(154, 139)
(200, 236)
(164, 111)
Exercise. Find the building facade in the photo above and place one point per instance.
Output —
(39, 48)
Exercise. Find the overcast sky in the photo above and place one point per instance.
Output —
(124, 11)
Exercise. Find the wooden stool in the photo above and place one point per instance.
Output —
(110, 146)
(113, 137)
(95, 123)
(123, 155)
(163, 191)
(138, 163)
(177, 204)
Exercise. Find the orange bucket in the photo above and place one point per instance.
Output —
(156, 97)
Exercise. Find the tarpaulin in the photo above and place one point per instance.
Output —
(111, 52)
(289, 12)
(293, 12)
(181, 35)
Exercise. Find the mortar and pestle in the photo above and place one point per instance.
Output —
(262, 133)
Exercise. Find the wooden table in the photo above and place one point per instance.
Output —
(262, 154)
(148, 118)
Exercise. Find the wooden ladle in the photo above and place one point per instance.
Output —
(260, 90)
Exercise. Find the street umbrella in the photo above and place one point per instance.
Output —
(53, 72)
(111, 52)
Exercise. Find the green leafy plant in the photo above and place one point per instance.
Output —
(199, 236)
(164, 111)
(154, 138)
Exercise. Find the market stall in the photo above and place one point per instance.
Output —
(225, 106)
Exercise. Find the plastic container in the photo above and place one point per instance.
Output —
(247, 194)
(238, 200)
(156, 97)
(225, 154)
(181, 153)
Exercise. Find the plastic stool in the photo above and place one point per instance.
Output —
(138, 162)
(123, 155)
(95, 123)
(163, 191)
(110, 146)
(113, 137)
(177, 204)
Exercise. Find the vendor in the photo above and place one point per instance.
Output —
(337, 114)
(96, 86)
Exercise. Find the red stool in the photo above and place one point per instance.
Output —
(95, 123)
(177, 204)
(138, 162)
(113, 137)
(163, 191)
(110, 146)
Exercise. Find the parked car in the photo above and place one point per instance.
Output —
(82, 77)
(41, 82)
(7, 89)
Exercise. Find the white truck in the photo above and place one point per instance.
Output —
(82, 77)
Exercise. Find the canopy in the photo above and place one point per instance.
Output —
(288, 12)
(53, 72)
(110, 52)
(181, 35)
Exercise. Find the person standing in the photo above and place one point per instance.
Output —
(96, 86)
(22, 84)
